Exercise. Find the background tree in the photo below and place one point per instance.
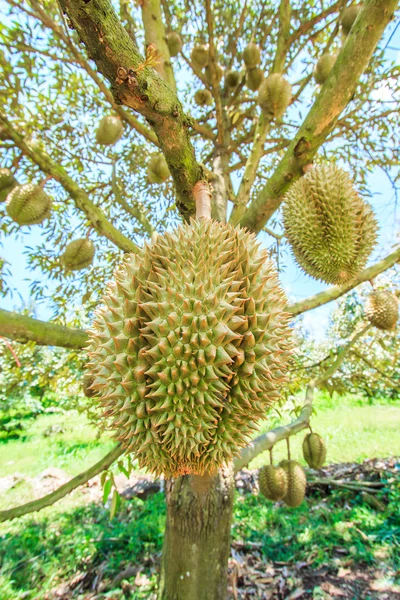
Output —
(67, 64)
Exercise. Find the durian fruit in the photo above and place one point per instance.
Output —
(275, 95)
(330, 228)
(348, 16)
(219, 71)
(323, 67)
(297, 482)
(174, 43)
(254, 78)
(78, 254)
(382, 310)
(251, 55)
(109, 131)
(273, 482)
(200, 56)
(232, 79)
(157, 169)
(203, 98)
(190, 347)
(28, 204)
(7, 183)
(314, 450)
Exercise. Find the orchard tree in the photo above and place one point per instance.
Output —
(120, 120)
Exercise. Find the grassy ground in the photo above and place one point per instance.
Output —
(39, 551)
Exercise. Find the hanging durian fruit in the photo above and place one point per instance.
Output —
(157, 169)
(330, 228)
(109, 131)
(323, 67)
(251, 56)
(348, 16)
(254, 78)
(7, 183)
(174, 43)
(78, 254)
(382, 310)
(28, 204)
(219, 72)
(200, 56)
(273, 482)
(314, 450)
(232, 79)
(297, 483)
(190, 348)
(275, 95)
(203, 98)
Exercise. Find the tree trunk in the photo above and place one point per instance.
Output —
(197, 537)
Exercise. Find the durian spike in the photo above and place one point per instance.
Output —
(202, 196)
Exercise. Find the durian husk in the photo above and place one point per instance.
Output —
(78, 254)
(109, 131)
(174, 43)
(190, 348)
(7, 183)
(330, 228)
(314, 450)
(203, 98)
(348, 17)
(323, 67)
(200, 56)
(275, 95)
(157, 169)
(254, 78)
(382, 310)
(251, 55)
(297, 483)
(28, 204)
(273, 482)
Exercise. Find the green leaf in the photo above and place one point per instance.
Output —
(115, 502)
(107, 490)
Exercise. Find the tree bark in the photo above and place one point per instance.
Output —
(197, 537)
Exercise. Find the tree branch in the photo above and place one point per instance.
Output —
(214, 78)
(336, 291)
(82, 201)
(139, 87)
(334, 96)
(63, 490)
(22, 328)
(155, 33)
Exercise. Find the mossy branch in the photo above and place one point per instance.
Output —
(63, 490)
(22, 328)
(333, 98)
(155, 34)
(82, 201)
(140, 87)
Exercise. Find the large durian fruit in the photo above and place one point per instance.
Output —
(314, 450)
(251, 56)
(297, 482)
(78, 254)
(28, 204)
(348, 16)
(200, 56)
(7, 183)
(275, 95)
(254, 78)
(109, 131)
(323, 67)
(330, 228)
(174, 43)
(273, 482)
(190, 347)
(382, 310)
(203, 98)
(157, 169)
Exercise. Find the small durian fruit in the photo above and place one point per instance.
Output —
(273, 482)
(323, 67)
(297, 482)
(28, 204)
(232, 79)
(251, 55)
(78, 254)
(348, 16)
(7, 183)
(330, 228)
(203, 98)
(200, 56)
(174, 43)
(157, 169)
(109, 131)
(275, 95)
(220, 74)
(382, 310)
(254, 78)
(314, 450)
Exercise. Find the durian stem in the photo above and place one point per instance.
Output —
(202, 196)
